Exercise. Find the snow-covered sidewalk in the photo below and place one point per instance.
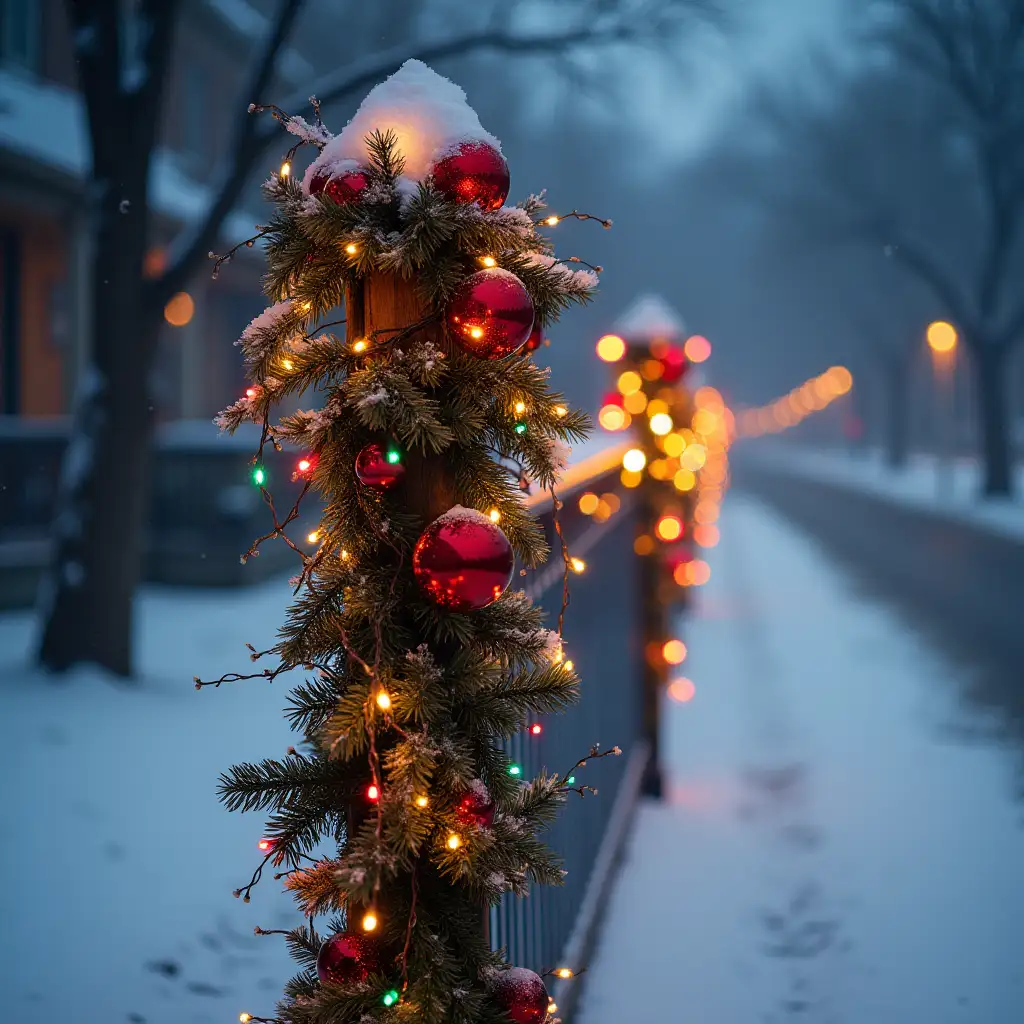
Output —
(948, 489)
(827, 852)
(117, 861)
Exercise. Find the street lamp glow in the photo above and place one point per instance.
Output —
(941, 336)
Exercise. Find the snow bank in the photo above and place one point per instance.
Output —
(427, 112)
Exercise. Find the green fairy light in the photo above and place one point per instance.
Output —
(259, 476)
(520, 428)
(390, 997)
(514, 769)
(571, 781)
(394, 455)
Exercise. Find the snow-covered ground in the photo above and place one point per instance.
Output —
(942, 487)
(827, 852)
(117, 861)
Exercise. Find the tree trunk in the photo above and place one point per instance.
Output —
(86, 597)
(990, 376)
(897, 415)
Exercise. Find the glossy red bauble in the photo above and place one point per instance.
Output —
(463, 561)
(379, 467)
(343, 187)
(522, 995)
(535, 340)
(674, 364)
(476, 807)
(491, 314)
(347, 959)
(474, 172)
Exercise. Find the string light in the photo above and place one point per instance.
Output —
(454, 841)
(244, 1017)
(286, 169)
(390, 997)
(287, 364)
(250, 393)
(697, 348)
(669, 528)
(422, 801)
(552, 1007)
(515, 770)
(520, 428)
(561, 411)
(476, 332)
(536, 729)
(259, 476)
(488, 261)
(344, 555)
(812, 396)
(568, 666)
(266, 845)
(393, 456)
(571, 781)
(629, 382)
(634, 460)
(369, 921)
(372, 791)
(631, 478)
(313, 537)
(643, 545)
(360, 345)
(661, 423)
(588, 503)
(551, 221)
(635, 403)
(351, 248)
(611, 348)
(613, 417)
(304, 465)
(564, 972)
(519, 408)
(578, 565)
(681, 690)
(383, 699)
(674, 652)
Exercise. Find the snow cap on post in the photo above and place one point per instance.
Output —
(427, 112)
(650, 318)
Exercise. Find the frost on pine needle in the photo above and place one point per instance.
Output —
(374, 397)
(314, 134)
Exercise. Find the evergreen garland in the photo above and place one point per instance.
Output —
(400, 693)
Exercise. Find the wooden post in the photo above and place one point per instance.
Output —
(387, 303)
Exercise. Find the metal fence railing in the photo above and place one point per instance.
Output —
(556, 926)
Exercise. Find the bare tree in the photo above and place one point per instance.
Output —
(87, 595)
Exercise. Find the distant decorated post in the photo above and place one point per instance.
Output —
(398, 819)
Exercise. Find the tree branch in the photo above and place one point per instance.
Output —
(193, 245)
(158, 18)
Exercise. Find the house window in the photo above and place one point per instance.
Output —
(20, 33)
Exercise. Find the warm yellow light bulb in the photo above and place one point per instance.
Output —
(552, 221)
(384, 700)
(564, 972)
(422, 801)
(351, 248)
(359, 346)
(634, 460)
(488, 261)
(560, 411)
(661, 424)
(494, 515)
(476, 332)
(369, 921)
(552, 1007)
(629, 382)
(313, 537)
(287, 364)
(611, 348)
(286, 169)
(245, 1017)
(578, 565)
(344, 555)
(454, 841)
(520, 408)
(569, 666)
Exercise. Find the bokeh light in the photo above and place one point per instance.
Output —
(611, 348)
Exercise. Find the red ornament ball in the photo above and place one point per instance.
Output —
(491, 315)
(535, 340)
(474, 172)
(673, 364)
(476, 807)
(521, 994)
(347, 958)
(341, 188)
(463, 561)
(379, 467)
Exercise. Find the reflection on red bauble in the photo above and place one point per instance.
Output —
(476, 807)
(521, 994)
(347, 959)
(343, 187)
(535, 340)
(474, 172)
(673, 363)
(491, 314)
(379, 467)
(463, 561)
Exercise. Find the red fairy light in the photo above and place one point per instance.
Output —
(536, 728)
(250, 392)
(266, 845)
(304, 465)
(372, 792)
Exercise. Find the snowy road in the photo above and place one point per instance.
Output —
(832, 850)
